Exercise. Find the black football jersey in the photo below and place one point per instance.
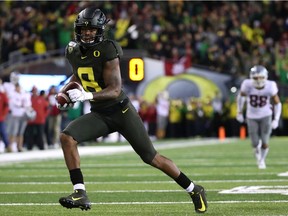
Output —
(88, 67)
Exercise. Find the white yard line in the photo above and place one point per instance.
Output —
(149, 203)
(147, 182)
(36, 155)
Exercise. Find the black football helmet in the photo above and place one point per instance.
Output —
(90, 18)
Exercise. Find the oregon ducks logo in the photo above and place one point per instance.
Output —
(96, 53)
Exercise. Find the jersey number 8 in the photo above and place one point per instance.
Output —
(258, 101)
(88, 71)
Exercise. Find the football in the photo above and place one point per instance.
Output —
(62, 97)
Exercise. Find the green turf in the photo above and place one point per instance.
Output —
(122, 185)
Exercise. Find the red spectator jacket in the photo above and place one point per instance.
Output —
(4, 106)
(40, 105)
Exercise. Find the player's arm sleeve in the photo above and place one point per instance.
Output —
(277, 107)
(277, 102)
(241, 99)
(277, 111)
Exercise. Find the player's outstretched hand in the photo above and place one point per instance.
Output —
(240, 117)
(275, 124)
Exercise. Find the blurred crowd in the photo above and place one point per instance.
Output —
(31, 120)
(175, 118)
(224, 36)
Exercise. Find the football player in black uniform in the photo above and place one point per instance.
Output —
(95, 64)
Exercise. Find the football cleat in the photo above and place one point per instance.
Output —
(78, 199)
(261, 164)
(199, 199)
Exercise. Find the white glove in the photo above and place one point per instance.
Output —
(66, 106)
(63, 107)
(240, 117)
(77, 95)
(275, 124)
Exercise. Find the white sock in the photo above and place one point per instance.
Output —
(79, 187)
(264, 153)
(257, 153)
(190, 188)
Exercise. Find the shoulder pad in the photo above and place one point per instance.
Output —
(72, 44)
(70, 47)
(117, 47)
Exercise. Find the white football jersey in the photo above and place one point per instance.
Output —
(258, 100)
(9, 88)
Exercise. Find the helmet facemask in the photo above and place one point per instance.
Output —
(259, 81)
(92, 40)
(89, 38)
(259, 75)
(90, 19)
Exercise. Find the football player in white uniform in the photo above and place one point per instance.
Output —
(258, 92)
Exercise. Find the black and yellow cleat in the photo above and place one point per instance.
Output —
(78, 199)
(199, 199)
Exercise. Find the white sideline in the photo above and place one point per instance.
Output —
(153, 203)
(57, 153)
(36, 155)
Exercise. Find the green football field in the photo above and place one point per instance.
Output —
(121, 184)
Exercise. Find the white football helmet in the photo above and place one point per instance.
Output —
(259, 75)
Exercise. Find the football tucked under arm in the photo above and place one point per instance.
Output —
(79, 95)
(63, 99)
